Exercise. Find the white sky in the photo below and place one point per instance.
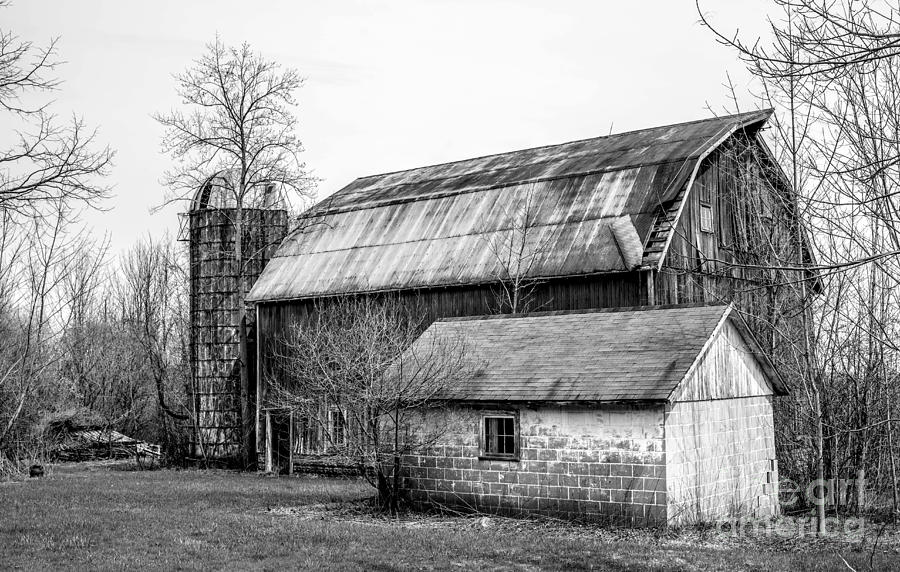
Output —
(390, 85)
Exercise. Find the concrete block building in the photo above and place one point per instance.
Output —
(625, 416)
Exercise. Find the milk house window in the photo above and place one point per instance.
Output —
(500, 436)
(706, 217)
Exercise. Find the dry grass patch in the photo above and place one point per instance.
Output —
(90, 517)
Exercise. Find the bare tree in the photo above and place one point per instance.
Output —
(48, 173)
(238, 120)
(152, 294)
(516, 250)
(121, 344)
(825, 38)
(240, 117)
(351, 377)
(49, 162)
(831, 70)
(41, 256)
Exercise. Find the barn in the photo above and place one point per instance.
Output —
(629, 416)
(660, 216)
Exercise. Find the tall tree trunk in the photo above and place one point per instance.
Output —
(890, 436)
(820, 462)
(861, 486)
(248, 445)
(248, 433)
(395, 493)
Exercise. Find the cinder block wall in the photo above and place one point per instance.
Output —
(603, 464)
(720, 437)
(721, 459)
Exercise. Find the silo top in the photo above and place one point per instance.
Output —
(220, 192)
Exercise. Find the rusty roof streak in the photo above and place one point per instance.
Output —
(612, 355)
(432, 226)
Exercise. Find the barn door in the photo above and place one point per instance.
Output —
(279, 434)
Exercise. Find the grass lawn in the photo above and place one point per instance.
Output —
(91, 517)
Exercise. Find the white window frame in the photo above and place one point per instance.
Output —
(710, 227)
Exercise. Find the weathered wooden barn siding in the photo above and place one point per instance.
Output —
(688, 272)
(275, 319)
(720, 438)
(738, 183)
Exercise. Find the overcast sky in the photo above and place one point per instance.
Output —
(390, 84)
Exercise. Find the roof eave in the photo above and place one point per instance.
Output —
(487, 402)
(275, 300)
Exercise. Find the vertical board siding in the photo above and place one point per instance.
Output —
(747, 209)
(727, 369)
(276, 320)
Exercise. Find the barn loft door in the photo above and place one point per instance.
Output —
(279, 439)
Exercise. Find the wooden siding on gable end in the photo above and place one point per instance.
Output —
(691, 251)
(726, 369)
(703, 267)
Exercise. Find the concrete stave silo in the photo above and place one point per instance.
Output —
(222, 402)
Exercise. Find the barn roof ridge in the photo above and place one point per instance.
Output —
(767, 111)
(321, 209)
(358, 198)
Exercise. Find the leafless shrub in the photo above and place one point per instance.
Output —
(359, 388)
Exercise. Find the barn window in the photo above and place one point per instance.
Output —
(500, 436)
(306, 440)
(706, 218)
(337, 427)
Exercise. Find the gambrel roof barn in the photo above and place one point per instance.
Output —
(604, 205)
(658, 217)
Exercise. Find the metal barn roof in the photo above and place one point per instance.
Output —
(595, 202)
(595, 355)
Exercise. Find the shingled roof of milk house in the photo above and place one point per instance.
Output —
(606, 355)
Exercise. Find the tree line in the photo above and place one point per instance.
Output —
(830, 72)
